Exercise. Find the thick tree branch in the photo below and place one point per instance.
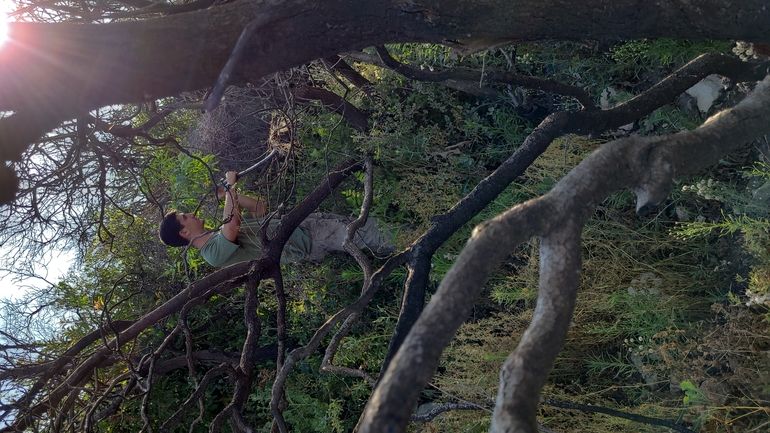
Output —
(626, 163)
(555, 125)
(527, 367)
(77, 68)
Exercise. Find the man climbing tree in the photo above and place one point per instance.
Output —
(239, 240)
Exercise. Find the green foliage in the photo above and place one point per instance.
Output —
(606, 363)
(669, 120)
(651, 53)
(307, 413)
(692, 395)
(745, 212)
(187, 178)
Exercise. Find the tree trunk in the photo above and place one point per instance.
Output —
(54, 72)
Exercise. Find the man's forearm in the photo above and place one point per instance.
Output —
(232, 205)
(257, 207)
(232, 215)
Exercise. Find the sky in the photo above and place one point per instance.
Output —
(59, 263)
(57, 266)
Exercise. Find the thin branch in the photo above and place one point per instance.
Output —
(327, 364)
(447, 407)
(619, 414)
(301, 353)
(194, 397)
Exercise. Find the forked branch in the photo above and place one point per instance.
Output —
(644, 165)
(555, 125)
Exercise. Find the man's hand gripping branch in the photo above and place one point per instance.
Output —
(234, 202)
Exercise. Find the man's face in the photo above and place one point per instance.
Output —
(191, 226)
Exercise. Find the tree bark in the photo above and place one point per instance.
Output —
(56, 72)
(643, 165)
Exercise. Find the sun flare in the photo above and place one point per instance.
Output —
(3, 26)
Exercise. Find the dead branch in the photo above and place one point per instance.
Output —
(327, 364)
(644, 165)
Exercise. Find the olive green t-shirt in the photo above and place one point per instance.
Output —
(220, 252)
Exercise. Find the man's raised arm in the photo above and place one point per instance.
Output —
(232, 208)
(256, 206)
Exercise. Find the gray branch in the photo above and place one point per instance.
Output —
(644, 165)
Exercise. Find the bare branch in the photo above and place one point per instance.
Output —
(451, 77)
(616, 413)
(301, 353)
(634, 163)
(555, 125)
(447, 407)
(327, 364)
(194, 397)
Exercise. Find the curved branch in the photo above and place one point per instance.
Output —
(327, 364)
(555, 125)
(634, 163)
(357, 118)
(449, 76)
(301, 353)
